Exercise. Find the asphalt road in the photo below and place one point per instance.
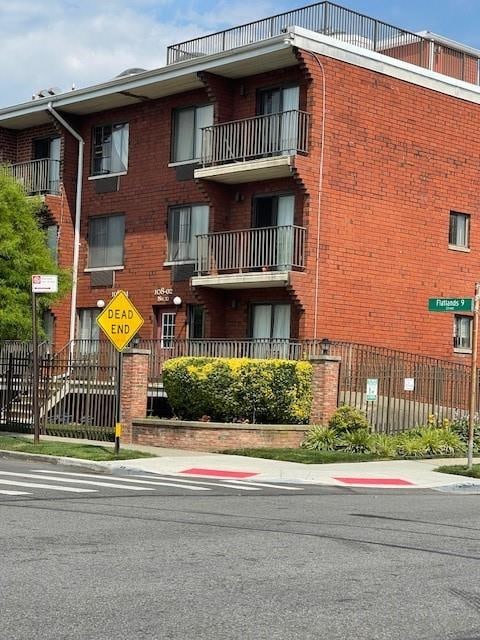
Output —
(173, 564)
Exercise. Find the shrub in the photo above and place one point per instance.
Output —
(239, 389)
(358, 441)
(321, 439)
(383, 445)
(410, 446)
(348, 418)
(459, 426)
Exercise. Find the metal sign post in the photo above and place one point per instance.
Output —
(473, 379)
(119, 321)
(40, 284)
(35, 403)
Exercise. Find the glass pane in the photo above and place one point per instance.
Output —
(262, 321)
(97, 238)
(115, 236)
(204, 118)
(119, 148)
(199, 226)
(281, 321)
(184, 135)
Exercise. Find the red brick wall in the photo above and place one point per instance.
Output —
(203, 437)
(392, 173)
(8, 145)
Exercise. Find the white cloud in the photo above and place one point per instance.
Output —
(59, 42)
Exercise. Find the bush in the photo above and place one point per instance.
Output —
(239, 389)
(459, 426)
(348, 418)
(383, 445)
(357, 441)
(321, 439)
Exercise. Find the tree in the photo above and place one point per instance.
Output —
(23, 252)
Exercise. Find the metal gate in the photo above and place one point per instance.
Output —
(77, 389)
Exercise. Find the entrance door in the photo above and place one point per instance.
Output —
(281, 131)
(274, 247)
(48, 148)
(271, 329)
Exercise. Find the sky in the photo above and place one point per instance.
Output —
(60, 43)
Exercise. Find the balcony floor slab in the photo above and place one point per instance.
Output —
(258, 280)
(248, 171)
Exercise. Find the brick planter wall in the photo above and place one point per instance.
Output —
(213, 436)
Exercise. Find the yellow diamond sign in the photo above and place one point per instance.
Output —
(120, 321)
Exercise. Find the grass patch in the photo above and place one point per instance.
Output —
(304, 455)
(69, 450)
(461, 470)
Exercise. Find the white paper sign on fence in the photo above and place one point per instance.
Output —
(409, 384)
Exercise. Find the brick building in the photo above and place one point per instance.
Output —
(312, 174)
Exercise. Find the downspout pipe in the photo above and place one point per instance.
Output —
(78, 211)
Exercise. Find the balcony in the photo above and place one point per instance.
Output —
(38, 176)
(250, 258)
(258, 148)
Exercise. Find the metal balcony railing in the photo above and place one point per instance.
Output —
(343, 24)
(264, 249)
(38, 176)
(258, 137)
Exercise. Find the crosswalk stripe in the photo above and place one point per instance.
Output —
(111, 485)
(117, 479)
(201, 482)
(36, 485)
(264, 484)
(5, 492)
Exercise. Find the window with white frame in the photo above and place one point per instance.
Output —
(105, 241)
(167, 329)
(184, 224)
(88, 331)
(110, 149)
(462, 333)
(459, 230)
(187, 132)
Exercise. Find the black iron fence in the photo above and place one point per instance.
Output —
(342, 24)
(77, 387)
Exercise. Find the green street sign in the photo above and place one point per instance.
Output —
(457, 305)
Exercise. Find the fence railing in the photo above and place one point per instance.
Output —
(343, 24)
(38, 176)
(282, 133)
(77, 386)
(263, 249)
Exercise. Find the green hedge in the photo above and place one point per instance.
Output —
(239, 389)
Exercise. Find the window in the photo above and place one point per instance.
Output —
(110, 149)
(52, 240)
(196, 317)
(105, 241)
(271, 321)
(184, 223)
(459, 230)
(168, 329)
(88, 331)
(187, 132)
(462, 333)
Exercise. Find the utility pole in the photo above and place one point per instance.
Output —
(473, 379)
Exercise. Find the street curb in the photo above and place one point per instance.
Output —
(89, 465)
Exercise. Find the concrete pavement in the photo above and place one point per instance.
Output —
(396, 474)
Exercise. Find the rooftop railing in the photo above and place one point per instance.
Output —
(343, 24)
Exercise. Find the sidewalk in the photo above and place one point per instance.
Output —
(400, 474)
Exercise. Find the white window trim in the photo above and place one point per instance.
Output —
(171, 263)
(101, 176)
(459, 247)
(464, 350)
(184, 162)
(116, 268)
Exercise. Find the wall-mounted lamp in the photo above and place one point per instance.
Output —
(325, 346)
(177, 301)
(100, 304)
